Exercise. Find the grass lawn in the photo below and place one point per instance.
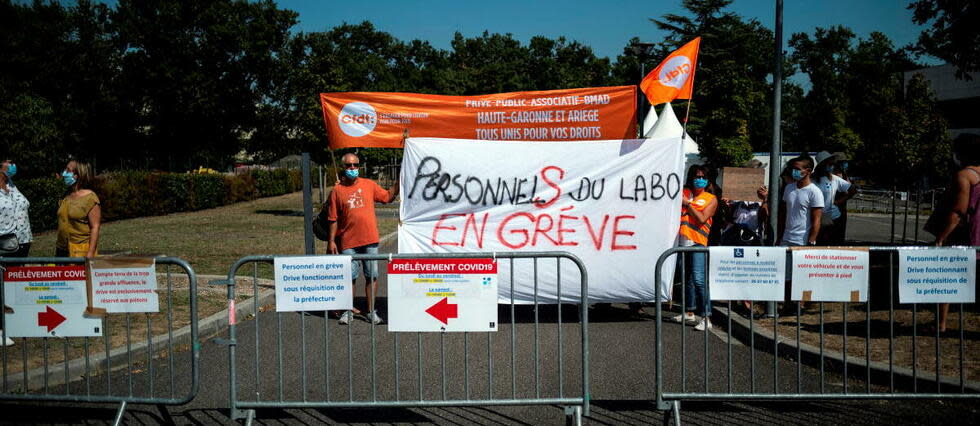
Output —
(211, 240)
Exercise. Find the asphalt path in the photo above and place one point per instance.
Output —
(877, 229)
(287, 356)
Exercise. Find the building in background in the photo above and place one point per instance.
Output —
(958, 99)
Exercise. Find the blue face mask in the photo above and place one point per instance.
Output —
(700, 183)
(11, 170)
(68, 177)
(830, 169)
(797, 174)
(843, 166)
(352, 173)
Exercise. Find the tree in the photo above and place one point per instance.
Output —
(195, 74)
(732, 95)
(954, 35)
(57, 69)
(824, 59)
(917, 140)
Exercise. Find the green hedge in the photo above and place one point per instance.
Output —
(137, 193)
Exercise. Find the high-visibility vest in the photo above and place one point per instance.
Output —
(690, 228)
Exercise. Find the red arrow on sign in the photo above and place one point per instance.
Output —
(443, 311)
(50, 319)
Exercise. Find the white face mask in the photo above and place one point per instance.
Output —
(956, 161)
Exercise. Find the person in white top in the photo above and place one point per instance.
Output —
(13, 221)
(836, 190)
(799, 217)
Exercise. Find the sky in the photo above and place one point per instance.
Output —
(606, 26)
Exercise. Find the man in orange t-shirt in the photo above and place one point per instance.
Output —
(350, 211)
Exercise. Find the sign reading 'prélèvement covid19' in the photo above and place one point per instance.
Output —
(442, 295)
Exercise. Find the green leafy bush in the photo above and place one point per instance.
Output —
(137, 193)
(44, 195)
(207, 191)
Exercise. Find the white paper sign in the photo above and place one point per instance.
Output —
(613, 204)
(313, 283)
(821, 275)
(47, 301)
(747, 273)
(125, 289)
(442, 295)
(937, 276)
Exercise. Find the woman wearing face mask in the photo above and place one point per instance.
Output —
(13, 212)
(835, 190)
(697, 207)
(79, 214)
(14, 223)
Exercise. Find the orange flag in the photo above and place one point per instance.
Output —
(674, 77)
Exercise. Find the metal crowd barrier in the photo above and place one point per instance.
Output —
(85, 368)
(806, 372)
(364, 365)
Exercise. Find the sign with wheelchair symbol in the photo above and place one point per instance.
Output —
(747, 273)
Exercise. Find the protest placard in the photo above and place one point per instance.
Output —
(742, 183)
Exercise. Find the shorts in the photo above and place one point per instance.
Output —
(371, 270)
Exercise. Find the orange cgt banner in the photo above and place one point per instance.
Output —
(380, 120)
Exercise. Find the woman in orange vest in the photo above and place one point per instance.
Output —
(698, 206)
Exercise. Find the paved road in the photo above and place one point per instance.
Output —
(877, 228)
(622, 376)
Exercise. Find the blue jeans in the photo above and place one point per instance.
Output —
(696, 296)
(370, 267)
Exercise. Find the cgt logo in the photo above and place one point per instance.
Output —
(675, 72)
(357, 119)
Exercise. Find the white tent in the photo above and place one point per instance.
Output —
(667, 126)
(649, 121)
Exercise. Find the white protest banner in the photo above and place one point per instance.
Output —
(747, 273)
(313, 283)
(830, 275)
(442, 295)
(937, 276)
(614, 204)
(47, 301)
(124, 285)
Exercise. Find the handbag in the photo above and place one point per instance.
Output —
(321, 227)
(9, 243)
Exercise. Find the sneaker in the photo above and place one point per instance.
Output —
(704, 324)
(684, 318)
(346, 318)
(374, 318)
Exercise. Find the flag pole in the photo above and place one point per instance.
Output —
(686, 115)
